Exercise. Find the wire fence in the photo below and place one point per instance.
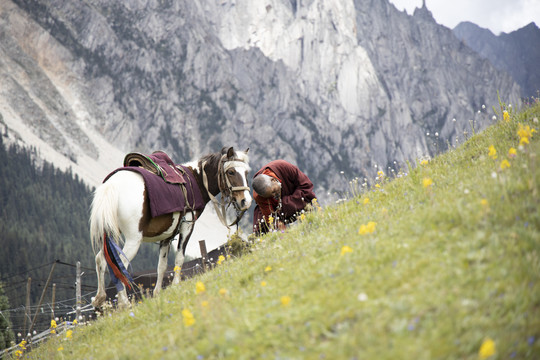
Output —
(32, 323)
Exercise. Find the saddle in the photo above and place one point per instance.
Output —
(158, 163)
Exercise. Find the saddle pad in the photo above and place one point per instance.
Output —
(158, 163)
(166, 198)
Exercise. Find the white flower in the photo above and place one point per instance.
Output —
(362, 297)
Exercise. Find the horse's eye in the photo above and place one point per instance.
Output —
(231, 172)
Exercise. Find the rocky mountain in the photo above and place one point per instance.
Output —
(341, 88)
(517, 53)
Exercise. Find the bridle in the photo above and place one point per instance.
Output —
(225, 188)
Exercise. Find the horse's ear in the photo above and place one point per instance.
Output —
(230, 152)
(246, 150)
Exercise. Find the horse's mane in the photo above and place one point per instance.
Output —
(213, 159)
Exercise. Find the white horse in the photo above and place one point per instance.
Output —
(120, 211)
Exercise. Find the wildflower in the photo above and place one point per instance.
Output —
(221, 259)
(423, 162)
(525, 133)
(270, 219)
(380, 174)
(18, 353)
(60, 348)
(492, 152)
(366, 201)
(505, 164)
(188, 318)
(484, 203)
(199, 287)
(222, 292)
(204, 304)
(345, 250)
(268, 269)
(506, 116)
(487, 349)
(69, 334)
(512, 152)
(302, 217)
(427, 182)
(177, 269)
(368, 228)
(53, 324)
(75, 322)
(285, 300)
(377, 186)
(263, 283)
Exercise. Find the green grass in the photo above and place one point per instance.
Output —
(447, 267)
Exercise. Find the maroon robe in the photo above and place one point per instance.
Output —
(296, 192)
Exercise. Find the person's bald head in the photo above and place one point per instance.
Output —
(266, 186)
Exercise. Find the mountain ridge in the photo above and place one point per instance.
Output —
(342, 89)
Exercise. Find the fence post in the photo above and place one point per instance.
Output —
(27, 308)
(53, 298)
(42, 296)
(204, 253)
(78, 292)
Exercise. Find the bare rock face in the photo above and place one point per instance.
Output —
(341, 88)
(517, 53)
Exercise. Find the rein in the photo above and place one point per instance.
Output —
(226, 189)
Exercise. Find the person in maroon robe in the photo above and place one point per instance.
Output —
(281, 191)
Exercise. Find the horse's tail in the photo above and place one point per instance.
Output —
(104, 215)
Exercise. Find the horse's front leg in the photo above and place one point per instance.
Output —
(186, 228)
(164, 247)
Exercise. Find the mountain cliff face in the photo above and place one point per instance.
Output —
(341, 88)
(517, 53)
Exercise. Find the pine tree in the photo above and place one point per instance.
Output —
(6, 334)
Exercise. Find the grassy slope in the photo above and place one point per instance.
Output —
(442, 272)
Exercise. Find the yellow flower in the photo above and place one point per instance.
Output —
(199, 287)
(377, 186)
(270, 219)
(505, 164)
(222, 292)
(346, 249)
(380, 174)
(60, 348)
(263, 283)
(487, 349)
(423, 162)
(366, 201)
(53, 324)
(368, 228)
(69, 334)
(285, 300)
(75, 322)
(492, 152)
(188, 318)
(204, 304)
(506, 116)
(268, 269)
(525, 133)
(427, 182)
(177, 269)
(221, 259)
(53, 331)
(484, 202)
(512, 152)
(302, 217)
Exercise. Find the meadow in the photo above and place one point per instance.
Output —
(440, 261)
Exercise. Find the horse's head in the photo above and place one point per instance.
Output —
(235, 167)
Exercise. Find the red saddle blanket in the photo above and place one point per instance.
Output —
(164, 197)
